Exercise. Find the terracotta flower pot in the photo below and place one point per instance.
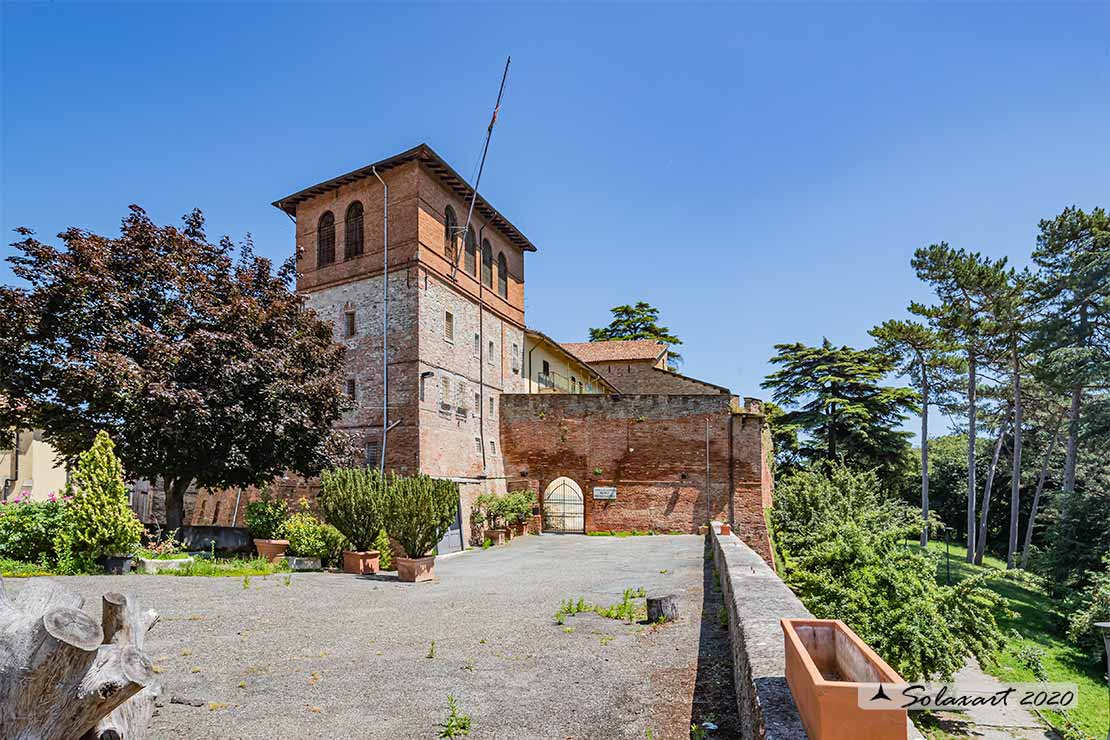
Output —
(362, 563)
(825, 664)
(272, 550)
(414, 570)
(497, 536)
(726, 529)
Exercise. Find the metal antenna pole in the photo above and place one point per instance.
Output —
(481, 166)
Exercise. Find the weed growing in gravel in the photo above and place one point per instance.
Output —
(606, 639)
(487, 543)
(431, 651)
(246, 582)
(457, 723)
(722, 616)
(288, 579)
(626, 610)
(568, 630)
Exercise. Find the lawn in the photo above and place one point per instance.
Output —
(1034, 619)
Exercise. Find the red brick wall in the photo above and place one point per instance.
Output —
(643, 377)
(653, 449)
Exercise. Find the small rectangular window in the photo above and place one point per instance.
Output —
(492, 447)
(491, 405)
(449, 326)
(546, 367)
(489, 358)
(477, 404)
(351, 388)
(516, 361)
(445, 391)
(477, 345)
(349, 326)
(460, 397)
(478, 445)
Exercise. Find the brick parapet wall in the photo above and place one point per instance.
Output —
(652, 448)
(642, 377)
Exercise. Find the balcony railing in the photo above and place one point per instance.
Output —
(558, 383)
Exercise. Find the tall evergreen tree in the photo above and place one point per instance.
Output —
(960, 280)
(926, 356)
(637, 322)
(1073, 283)
(843, 410)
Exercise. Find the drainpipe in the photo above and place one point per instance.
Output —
(385, 314)
(708, 511)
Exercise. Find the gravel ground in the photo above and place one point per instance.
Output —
(326, 655)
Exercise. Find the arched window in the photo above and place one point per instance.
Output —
(352, 231)
(502, 276)
(470, 260)
(450, 229)
(325, 240)
(487, 264)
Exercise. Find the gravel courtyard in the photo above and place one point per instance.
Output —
(322, 655)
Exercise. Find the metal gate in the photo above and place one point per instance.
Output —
(563, 507)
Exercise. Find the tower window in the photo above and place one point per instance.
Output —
(470, 259)
(351, 388)
(352, 231)
(449, 326)
(489, 357)
(325, 240)
(349, 326)
(487, 264)
(502, 276)
(450, 229)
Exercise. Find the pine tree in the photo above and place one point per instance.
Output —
(637, 322)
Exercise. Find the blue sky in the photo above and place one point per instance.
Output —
(761, 173)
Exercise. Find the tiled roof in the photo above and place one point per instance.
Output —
(563, 348)
(617, 350)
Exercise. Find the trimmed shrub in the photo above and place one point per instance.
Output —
(305, 534)
(28, 530)
(97, 521)
(385, 553)
(419, 511)
(351, 501)
(335, 543)
(265, 516)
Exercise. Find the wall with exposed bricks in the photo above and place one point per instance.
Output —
(652, 448)
(643, 377)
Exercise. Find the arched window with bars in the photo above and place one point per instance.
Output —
(487, 264)
(470, 260)
(502, 276)
(352, 231)
(450, 232)
(325, 239)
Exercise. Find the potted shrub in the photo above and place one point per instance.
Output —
(264, 519)
(307, 540)
(164, 554)
(351, 501)
(418, 512)
(493, 506)
(520, 506)
(98, 526)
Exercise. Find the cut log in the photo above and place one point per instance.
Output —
(662, 608)
(60, 672)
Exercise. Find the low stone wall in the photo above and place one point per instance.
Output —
(756, 599)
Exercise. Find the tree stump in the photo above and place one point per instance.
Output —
(662, 608)
(63, 676)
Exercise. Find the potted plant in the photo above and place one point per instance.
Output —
(264, 519)
(98, 525)
(520, 505)
(307, 541)
(418, 512)
(492, 507)
(351, 500)
(163, 554)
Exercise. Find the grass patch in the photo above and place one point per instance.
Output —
(625, 610)
(1033, 623)
(229, 567)
(20, 569)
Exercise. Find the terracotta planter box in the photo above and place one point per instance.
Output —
(825, 664)
(497, 536)
(414, 570)
(726, 529)
(362, 563)
(272, 550)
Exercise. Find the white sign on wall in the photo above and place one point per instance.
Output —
(608, 493)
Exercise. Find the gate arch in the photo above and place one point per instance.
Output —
(563, 507)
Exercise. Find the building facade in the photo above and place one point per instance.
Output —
(550, 367)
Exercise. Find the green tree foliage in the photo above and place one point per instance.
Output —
(926, 357)
(842, 544)
(352, 500)
(1091, 606)
(265, 516)
(844, 411)
(202, 367)
(637, 322)
(1073, 284)
(419, 510)
(97, 520)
